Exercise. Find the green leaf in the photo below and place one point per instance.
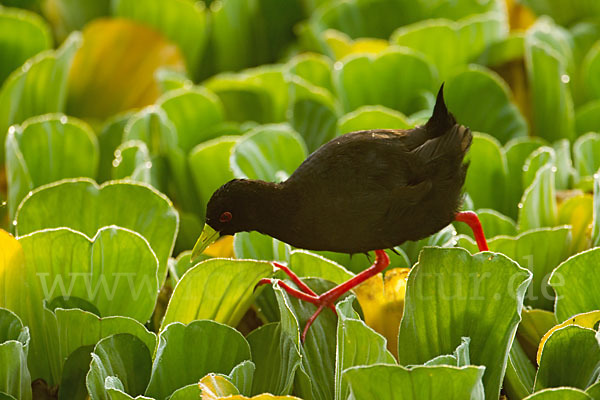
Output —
(77, 328)
(372, 117)
(24, 34)
(75, 368)
(259, 94)
(71, 15)
(14, 343)
(183, 22)
(310, 265)
(587, 117)
(450, 288)
(575, 282)
(193, 112)
(520, 373)
(376, 80)
(171, 79)
(46, 149)
(553, 114)
(120, 361)
(242, 376)
(487, 171)
(357, 344)
(356, 263)
(313, 68)
(318, 350)
(82, 205)
(28, 91)
(443, 238)
(209, 164)
(459, 357)
(586, 154)
(448, 44)
(595, 239)
(313, 112)
(115, 271)
(132, 162)
(243, 99)
(368, 18)
(566, 174)
(538, 205)
(570, 357)
(421, 382)
(493, 113)
(152, 127)
(233, 280)
(246, 34)
(593, 391)
(559, 394)
(256, 246)
(189, 392)
(276, 357)
(516, 152)
(563, 13)
(270, 153)
(540, 251)
(109, 138)
(503, 51)
(194, 350)
(591, 70)
(534, 325)
(537, 159)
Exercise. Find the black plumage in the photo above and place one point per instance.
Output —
(361, 191)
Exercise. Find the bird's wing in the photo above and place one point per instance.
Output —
(360, 169)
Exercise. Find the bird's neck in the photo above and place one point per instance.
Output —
(269, 208)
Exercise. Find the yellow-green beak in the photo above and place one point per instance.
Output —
(207, 237)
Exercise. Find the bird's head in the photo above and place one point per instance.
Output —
(226, 213)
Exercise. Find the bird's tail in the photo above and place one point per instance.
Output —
(441, 120)
(452, 144)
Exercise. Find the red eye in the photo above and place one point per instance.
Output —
(225, 217)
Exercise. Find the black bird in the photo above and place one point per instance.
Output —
(362, 191)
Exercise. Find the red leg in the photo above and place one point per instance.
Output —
(293, 292)
(381, 262)
(310, 321)
(303, 286)
(328, 298)
(470, 218)
(295, 279)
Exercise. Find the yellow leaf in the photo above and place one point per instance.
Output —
(222, 248)
(215, 387)
(577, 211)
(520, 17)
(585, 320)
(12, 264)
(114, 69)
(342, 45)
(382, 301)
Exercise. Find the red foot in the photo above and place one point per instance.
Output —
(328, 298)
(471, 219)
